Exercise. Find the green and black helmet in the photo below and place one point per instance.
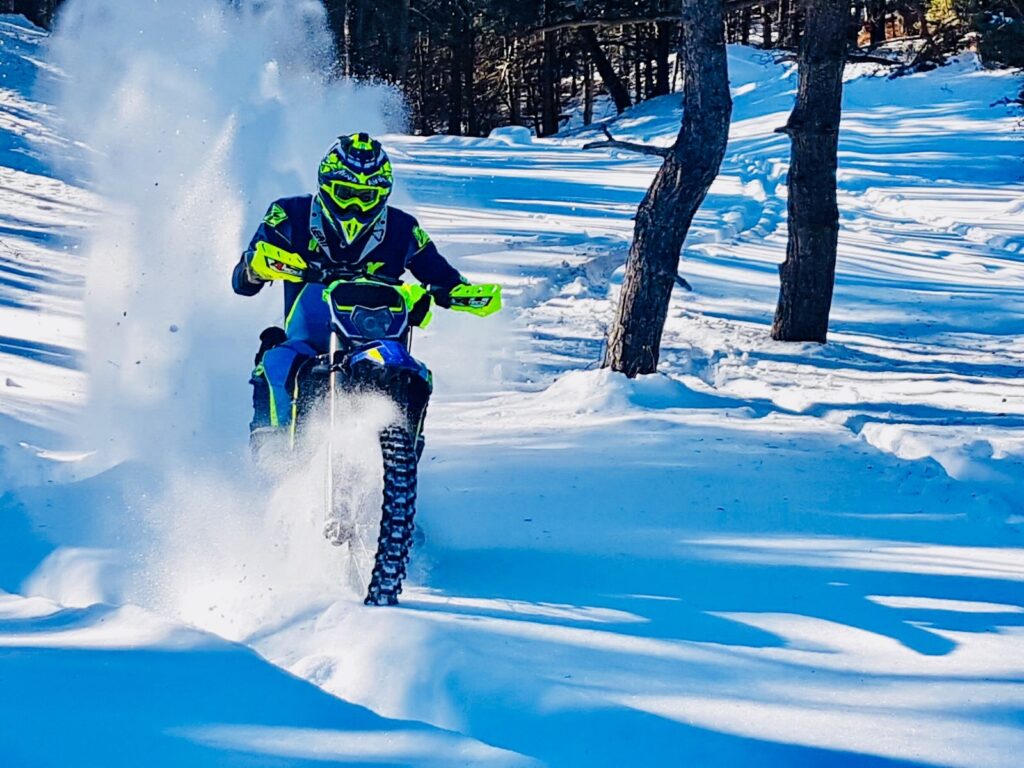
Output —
(353, 185)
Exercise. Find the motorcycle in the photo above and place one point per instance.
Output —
(372, 320)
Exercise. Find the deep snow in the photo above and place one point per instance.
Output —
(766, 554)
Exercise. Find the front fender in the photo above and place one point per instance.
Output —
(387, 359)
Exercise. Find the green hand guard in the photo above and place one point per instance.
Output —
(273, 263)
(482, 300)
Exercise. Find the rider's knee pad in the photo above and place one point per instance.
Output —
(270, 338)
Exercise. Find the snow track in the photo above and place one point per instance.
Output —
(767, 554)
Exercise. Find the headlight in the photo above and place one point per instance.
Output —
(372, 323)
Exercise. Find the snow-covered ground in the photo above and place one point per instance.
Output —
(767, 554)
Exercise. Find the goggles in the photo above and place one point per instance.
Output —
(345, 194)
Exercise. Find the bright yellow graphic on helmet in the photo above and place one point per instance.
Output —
(331, 163)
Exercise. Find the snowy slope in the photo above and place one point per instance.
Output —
(767, 554)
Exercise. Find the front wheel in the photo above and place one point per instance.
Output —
(397, 511)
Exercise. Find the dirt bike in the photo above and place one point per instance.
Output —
(372, 319)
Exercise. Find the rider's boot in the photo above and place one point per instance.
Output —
(270, 445)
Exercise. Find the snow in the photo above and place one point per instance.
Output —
(511, 134)
(764, 554)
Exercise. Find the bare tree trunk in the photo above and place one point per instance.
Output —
(337, 11)
(856, 14)
(513, 79)
(784, 39)
(612, 82)
(662, 49)
(588, 94)
(638, 93)
(876, 21)
(402, 46)
(766, 26)
(679, 188)
(808, 273)
(648, 63)
(455, 71)
(549, 86)
(469, 75)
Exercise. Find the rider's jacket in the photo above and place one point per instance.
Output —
(397, 243)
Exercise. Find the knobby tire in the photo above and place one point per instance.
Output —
(397, 512)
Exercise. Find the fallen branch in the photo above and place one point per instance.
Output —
(867, 58)
(630, 146)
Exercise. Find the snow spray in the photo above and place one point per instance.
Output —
(193, 115)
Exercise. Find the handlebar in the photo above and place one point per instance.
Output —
(482, 299)
(329, 275)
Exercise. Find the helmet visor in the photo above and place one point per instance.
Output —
(346, 195)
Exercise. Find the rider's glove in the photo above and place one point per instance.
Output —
(268, 262)
(443, 296)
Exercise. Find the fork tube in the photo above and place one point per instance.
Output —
(332, 395)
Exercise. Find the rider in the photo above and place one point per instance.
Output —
(346, 224)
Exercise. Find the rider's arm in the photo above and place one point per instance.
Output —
(428, 265)
(245, 281)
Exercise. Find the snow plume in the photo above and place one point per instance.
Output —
(194, 115)
(235, 560)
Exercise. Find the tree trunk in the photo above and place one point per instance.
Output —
(662, 50)
(612, 82)
(787, 38)
(512, 79)
(856, 14)
(808, 273)
(920, 17)
(588, 94)
(783, 22)
(682, 182)
(876, 21)
(455, 105)
(766, 26)
(638, 93)
(648, 70)
(469, 75)
(337, 10)
(549, 86)
(356, 38)
(401, 46)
